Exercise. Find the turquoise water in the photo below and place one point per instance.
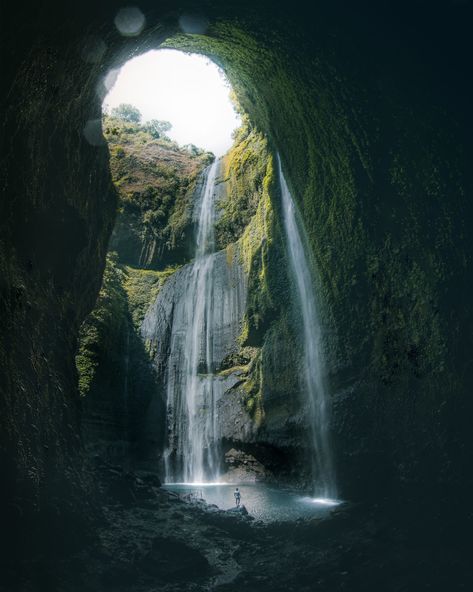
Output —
(264, 502)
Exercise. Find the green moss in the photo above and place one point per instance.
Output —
(253, 389)
(259, 249)
(101, 330)
(244, 167)
(227, 371)
(123, 300)
(373, 252)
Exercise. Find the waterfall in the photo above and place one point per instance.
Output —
(192, 328)
(195, 398)
(314, 372)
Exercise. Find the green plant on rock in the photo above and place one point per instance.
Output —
(253, 390)
(142, 287)
(244, 168)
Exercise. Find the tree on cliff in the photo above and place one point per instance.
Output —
(127, 112)
(157, 128)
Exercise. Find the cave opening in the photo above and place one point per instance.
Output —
(188, 91)
(184, 217)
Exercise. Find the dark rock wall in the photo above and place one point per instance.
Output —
(121, 412)
(368, 105)
(57, 210)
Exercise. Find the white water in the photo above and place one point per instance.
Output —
(314, 372)
(192, 396)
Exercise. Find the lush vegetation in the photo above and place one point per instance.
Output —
(155, 179)
(243, 167)
(101, 332)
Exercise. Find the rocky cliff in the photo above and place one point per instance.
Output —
(156, 181)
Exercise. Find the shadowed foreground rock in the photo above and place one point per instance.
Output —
(160, 542)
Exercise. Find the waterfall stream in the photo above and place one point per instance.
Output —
(192, 327)
(196, 402)
(314, 371)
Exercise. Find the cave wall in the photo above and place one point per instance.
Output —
(57, 210)
(374, 146)
(122, 412)
(368, 106)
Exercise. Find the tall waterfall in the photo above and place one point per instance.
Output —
(195, 404)
(314, 373)
(192, 327)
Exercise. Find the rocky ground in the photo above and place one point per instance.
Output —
(151, 540)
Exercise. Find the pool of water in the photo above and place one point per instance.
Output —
(264, 502)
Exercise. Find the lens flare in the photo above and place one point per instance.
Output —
(130, 21)
(93, 132)
(93, 50)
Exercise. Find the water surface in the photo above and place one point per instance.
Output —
(264, 502)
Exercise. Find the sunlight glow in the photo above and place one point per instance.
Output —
(188, 90)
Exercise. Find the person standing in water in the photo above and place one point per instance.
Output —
(237, 495)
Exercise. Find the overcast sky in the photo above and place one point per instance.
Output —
(190, 91)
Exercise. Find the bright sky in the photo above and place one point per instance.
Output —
(190, 91)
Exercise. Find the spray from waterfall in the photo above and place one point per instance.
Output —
(314, 372)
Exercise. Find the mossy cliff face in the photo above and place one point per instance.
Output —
(371, 121)
(264, 409)
(122, 412)
(242, 172)
(156, 181)
(265, 412)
